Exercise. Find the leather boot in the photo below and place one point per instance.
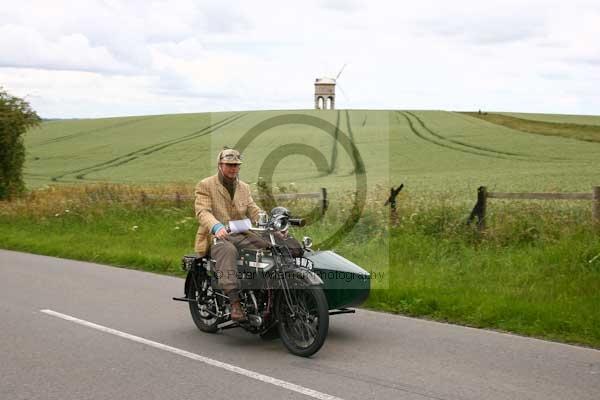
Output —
(237, 314)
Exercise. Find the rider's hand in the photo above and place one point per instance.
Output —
(282, 235)
(222, 234)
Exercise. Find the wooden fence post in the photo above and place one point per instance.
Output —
(177, 200)
(393, 211)
(392, 202)
(480, 208)
(484, 196)
(143, 198)
(324, 201)
(596, 205)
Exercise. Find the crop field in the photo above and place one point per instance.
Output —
(428, 151)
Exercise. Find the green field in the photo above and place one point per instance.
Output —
(428, 151)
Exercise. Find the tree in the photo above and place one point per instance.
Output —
(16, 116)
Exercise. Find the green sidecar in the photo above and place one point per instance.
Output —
(345, 283)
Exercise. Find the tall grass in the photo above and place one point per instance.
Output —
(534, 271)
(590, 133)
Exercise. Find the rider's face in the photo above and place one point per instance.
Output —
(230, 171)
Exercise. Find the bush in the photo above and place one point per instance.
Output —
(16, 116)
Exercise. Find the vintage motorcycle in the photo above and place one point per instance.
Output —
(284, 294)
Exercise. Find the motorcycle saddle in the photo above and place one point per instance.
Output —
(194, 260)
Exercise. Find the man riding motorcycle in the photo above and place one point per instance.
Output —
(222, 198)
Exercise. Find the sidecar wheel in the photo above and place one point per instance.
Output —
(303, 330)
(205, 321)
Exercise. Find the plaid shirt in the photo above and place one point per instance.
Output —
(214, 204)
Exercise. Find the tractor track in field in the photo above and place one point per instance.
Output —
(456, 145)
(355, 154)
(95, 130)
(441, 144)
(148, 150)
(474, 121)
(334, 148)
(350, 133)
(444, 138)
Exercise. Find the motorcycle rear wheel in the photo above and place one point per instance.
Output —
(204, 320)
(303, 330)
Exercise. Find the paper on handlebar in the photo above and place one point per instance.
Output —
(240, 226)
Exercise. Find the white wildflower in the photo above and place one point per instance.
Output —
(176, 228)
(135, 227)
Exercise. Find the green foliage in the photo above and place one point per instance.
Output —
(265, 192)
(535, 271)
(16, 116)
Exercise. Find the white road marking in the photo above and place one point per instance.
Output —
(232, 368)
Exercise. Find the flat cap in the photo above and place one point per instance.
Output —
(229, 156)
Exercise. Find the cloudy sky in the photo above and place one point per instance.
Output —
(113, 58)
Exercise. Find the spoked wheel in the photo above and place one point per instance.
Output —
(203, 311)
(303, 328)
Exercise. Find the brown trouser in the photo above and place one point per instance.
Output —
(225, 253)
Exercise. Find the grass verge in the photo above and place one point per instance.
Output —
(535, 271)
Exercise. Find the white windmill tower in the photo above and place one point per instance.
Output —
(325, 92)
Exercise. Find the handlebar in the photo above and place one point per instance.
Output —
(290, 221)
(297, 221)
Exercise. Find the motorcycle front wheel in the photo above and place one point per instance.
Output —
(304, 323)
(203, 312)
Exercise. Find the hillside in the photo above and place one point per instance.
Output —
(426, 150)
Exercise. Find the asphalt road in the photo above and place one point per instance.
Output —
(145, 346)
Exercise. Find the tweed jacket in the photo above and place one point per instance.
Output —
(214, 204)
